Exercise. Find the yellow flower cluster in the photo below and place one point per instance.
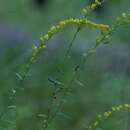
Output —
(57, 28)
(87, 10)
(108, 114)
(76, 21)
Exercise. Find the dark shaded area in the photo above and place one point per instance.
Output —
(40, 3)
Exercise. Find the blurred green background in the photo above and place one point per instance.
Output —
(101, 83)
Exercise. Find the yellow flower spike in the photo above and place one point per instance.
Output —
(76, 21)
(54, 29)
(108, 114)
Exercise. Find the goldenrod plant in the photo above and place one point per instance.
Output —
(106, 32)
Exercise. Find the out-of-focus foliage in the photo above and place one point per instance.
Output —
(102, 83)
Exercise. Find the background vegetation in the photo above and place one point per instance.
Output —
(102, 83)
